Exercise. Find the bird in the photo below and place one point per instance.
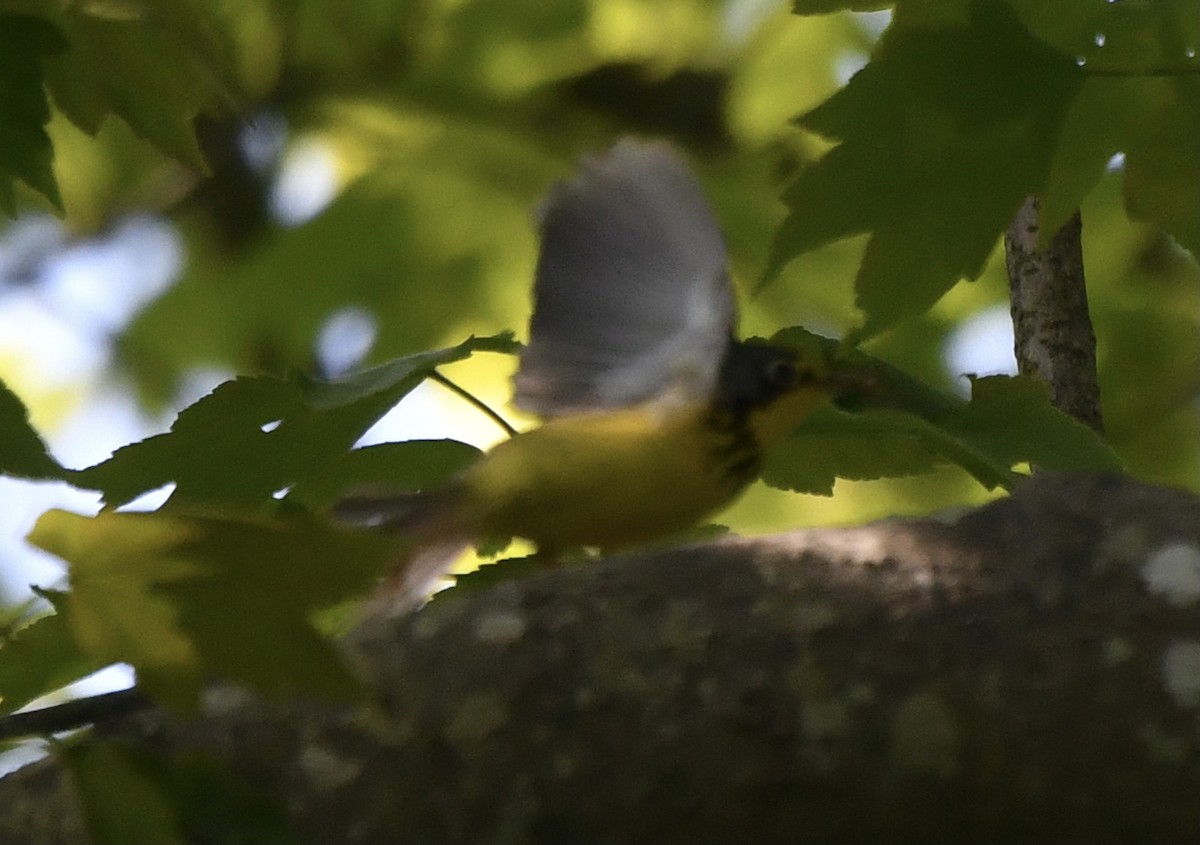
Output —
(654, 414)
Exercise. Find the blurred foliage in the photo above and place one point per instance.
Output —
(439, 125)
(186, 798)
(41, 654)
(184, 599)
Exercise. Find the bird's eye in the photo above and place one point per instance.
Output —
(781, 373)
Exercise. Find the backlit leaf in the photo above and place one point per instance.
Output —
(406, 465)
(941, 137)
(188, 598)
(155, 65)
(23, 453)
(254, 437)
(25, 151)
(39, 658)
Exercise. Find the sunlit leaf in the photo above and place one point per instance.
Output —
(435, 231)
(188, 598)
(822, 7)
(535, 43)
(114, 609)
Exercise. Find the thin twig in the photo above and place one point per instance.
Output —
(1163, 71)
(476, 401)
(73, 714)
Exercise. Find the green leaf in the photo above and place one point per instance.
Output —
(832, 444)
(824, 7)
(407, 465)
(365, 384)
(188, 598)
(114, 610)
(130, 794)
(1106, 114)
(25, 150)
(218, 805)
(1162, 166)
(23, 453)
(492, 573)
(875, 444)
(1013, 419)
(254, 437)
(895, 425)
(155, 65)
(122, 793)
(942, 136)
(1149, 119)
(1130, 39)
(39, 658)
(216, 449)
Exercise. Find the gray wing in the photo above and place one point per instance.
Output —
(632, 298)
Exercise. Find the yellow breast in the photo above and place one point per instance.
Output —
(618, 478)
(605, 479)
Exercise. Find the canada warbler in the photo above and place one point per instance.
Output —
(655, 416)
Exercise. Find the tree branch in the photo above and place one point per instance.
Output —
(1053, 335)
(1026, 672)
(76, 713)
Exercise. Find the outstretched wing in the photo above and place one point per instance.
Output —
(632, 298)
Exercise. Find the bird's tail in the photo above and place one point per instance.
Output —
(427, 522)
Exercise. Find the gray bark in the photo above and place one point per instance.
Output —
(1026, 671)
(1053, 337)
